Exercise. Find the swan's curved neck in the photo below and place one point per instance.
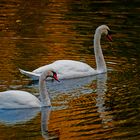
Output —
(100, 62)
(44, 95)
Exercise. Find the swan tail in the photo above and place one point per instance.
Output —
(32, 75)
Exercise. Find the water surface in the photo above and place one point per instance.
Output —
(104, 107)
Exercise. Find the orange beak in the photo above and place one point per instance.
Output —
(55, 77)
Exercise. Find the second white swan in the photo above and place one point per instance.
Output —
(13, 99)
(67, 69)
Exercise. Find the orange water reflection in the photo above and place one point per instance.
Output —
(35, 33)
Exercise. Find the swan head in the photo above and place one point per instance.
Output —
(104, 29)
(53, 74)
(49, 73)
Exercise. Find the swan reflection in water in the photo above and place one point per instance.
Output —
(10, 117)
(45, 116)
(81, 84)
(78, 86)
(17, 116)
(64, 86)
(100, 100)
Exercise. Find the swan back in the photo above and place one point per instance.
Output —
(18, 99)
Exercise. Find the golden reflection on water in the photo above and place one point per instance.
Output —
(35, 33)
(85, 117)
(18, 131)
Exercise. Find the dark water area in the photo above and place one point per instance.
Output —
(103, 107)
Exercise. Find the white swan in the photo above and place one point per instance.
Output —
(67, 69)
(13, 99)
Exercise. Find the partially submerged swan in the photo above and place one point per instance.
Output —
(13, 99)
(67, 69)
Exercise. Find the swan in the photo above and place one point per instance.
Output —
(67, 69)
(13, 99)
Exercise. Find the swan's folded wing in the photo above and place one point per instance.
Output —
(32, 75)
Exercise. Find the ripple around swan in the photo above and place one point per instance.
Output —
(16, 116)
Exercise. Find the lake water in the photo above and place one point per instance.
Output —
(38, 32)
